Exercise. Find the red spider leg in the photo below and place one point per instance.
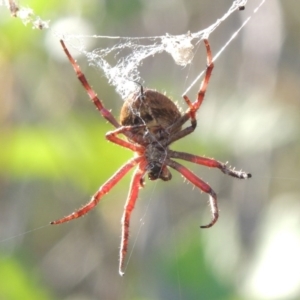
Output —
(93, 96)
(181, 134)
(104, 189)
(112, 136)
(209, 162)
(193, 107)
(129, 206)
(189, 175)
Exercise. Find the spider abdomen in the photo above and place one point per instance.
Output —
(149, 108)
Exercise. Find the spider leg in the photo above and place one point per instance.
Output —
(209, 162)
(193, 106)
(126, 130)
(93, 96)
(189, 175)
(180, 134)
(104, 189)
(129, 206)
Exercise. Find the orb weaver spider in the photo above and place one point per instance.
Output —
(151, 122)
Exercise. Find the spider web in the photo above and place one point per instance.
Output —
(121, 62)
(25, 14)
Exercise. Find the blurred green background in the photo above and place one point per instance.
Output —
(54, 156)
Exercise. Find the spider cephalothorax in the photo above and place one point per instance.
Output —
(151, 122)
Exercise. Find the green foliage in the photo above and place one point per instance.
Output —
(17, 283)
(122, 9)
(45, 152)
(196, 278)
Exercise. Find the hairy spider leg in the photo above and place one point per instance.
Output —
(104, 189)
(193, 107)
(112, 136)
(209, 162)
(93, 96)
(190, 176)
(135, 185)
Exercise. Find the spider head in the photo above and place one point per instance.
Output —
(157, 171)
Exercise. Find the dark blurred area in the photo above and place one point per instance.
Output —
(54, 156)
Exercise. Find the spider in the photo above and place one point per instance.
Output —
(151, 122)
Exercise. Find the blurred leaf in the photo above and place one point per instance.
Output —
(16, 284)
(189, 265)
(45, 152)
